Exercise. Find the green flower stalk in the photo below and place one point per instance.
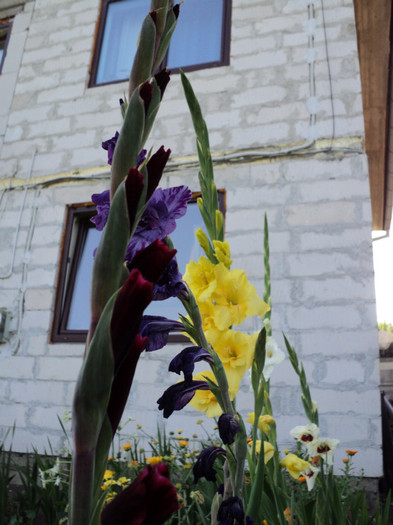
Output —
(118, 295)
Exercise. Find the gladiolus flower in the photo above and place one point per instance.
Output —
(157, 329)
(264, 422)
(177, 396)
(295, 465)
(268, 449)
(306, 434)
(274, 356)
(109, 145)
(204, 464)
(149, 500)
(228, 427)
(324, 448)
(231, 511)
(223, 253)
(184, 362)
(205, 401)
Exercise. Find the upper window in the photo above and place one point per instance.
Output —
(72, 310)
(201, 38)
(5, 30)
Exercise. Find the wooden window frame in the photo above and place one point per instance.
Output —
(225, 45)
(3, 25)
(68, 269)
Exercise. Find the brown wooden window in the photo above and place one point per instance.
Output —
(201, 38)
(5, 31)
(80, 239)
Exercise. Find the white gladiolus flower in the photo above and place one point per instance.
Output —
(324, 448)
(306, 434)
(311, 474)
(274, 356)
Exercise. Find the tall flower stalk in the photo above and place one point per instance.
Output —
(121, 289)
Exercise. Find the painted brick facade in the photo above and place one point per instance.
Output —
(317, 204)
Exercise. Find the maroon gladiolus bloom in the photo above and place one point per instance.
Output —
(152, 260)
(149, 500)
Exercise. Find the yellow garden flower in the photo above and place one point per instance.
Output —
(234, 298)
(267, 447)
(200, 277)
(203, 240)
(126, 446)
(154, 460)
(109, 474)
(264, 422)
(205, 401)
(123, 480)
(223, 253)
(295, 465)
(183, 442)
(235, 349)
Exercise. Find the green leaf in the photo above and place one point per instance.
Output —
(109, 258)
(129, 143)
(170, 26)
(144, 56)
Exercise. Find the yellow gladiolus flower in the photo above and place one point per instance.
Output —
(205, 400)
(235, 349)
(154, 460)
(235, 298)
(223, 253)
(202, 240)
(264, 422)
(268, 449)
(294, 465)
(200, 277)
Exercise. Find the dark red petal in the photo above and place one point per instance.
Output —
(149, 500)
(134, 188)
(152, 260)
(155, 167)
(135, 295)
(123, 380)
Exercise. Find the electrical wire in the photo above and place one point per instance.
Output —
(8, 274)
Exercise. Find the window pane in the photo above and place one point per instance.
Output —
(123, 22)
(79, 316)
(187, 247)
(197, 37)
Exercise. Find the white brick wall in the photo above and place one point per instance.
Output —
(318, 209)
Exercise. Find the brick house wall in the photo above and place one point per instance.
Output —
(257, 108)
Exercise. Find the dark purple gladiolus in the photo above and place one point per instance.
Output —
(141, 157)
(149, 500)
(170, 284)
(109, 145)
(203, 467)
(145, 92)
(231, 512)
(159, 218)
(157, 329)
(103, 203)
(184, 361)
(177, 396)
(227, 428)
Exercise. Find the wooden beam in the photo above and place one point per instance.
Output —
(373, 23)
